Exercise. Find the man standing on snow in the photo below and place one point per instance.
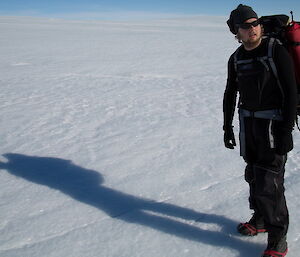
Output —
(267, 109)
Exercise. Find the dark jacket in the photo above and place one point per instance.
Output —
(258, 88)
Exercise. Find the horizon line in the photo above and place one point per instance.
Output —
(108, 15)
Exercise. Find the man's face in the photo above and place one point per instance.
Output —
(250, 32)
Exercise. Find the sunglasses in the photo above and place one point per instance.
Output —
(249, 25)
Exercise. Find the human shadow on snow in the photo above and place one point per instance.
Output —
(87, 186)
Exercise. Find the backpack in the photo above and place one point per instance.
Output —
(288, 33)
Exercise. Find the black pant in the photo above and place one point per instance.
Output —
(265, 174)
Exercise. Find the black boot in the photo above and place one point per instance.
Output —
(276, 247)
(254, 226)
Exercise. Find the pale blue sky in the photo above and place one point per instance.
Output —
(127, 9)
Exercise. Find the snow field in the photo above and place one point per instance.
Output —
(111, 141)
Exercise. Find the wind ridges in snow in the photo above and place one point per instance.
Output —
(133, 110)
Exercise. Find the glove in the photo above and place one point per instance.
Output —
(284, 142)
(229, 140)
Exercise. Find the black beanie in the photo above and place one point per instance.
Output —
(239, 15)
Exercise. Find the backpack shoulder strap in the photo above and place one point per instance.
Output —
(235, 59)
(271, 47)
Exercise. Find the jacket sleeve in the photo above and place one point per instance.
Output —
(229, 100)
(286, 76)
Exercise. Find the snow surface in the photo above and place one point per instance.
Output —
(111, 142)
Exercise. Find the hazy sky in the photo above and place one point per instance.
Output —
(106, 9)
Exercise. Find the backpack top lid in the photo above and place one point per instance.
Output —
(274, 24)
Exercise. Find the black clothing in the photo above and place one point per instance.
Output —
(264, 141)
(259, 90)
(265, 174)
(229, 139)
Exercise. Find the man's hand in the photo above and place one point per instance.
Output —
(229, 139)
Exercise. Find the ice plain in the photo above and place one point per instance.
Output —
(111, 141)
